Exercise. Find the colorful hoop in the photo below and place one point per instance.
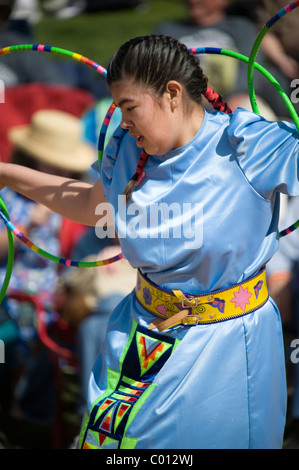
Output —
(287, 9)
(11, 229)
(256, 46)
(261, 69)
(57, 50)
(103, 131)
(10, 258)
(254, 65)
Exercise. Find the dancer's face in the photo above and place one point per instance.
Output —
(153, 121)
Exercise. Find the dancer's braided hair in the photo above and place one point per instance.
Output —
(153, 61)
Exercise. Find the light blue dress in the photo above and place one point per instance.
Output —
(217, 386)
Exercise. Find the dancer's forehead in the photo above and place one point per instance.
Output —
(127, 93)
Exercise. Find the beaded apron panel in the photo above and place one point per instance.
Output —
(143, 357)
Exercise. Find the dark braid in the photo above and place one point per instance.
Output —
(153, 61)
(216, 100)
(138, 176)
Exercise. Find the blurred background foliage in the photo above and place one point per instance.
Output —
(98, 34)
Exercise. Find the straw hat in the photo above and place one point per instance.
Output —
(54, 137)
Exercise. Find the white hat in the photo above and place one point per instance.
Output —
(55, 137)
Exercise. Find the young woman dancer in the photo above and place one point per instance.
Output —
(194, 355)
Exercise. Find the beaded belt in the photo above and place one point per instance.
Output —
(176, 307)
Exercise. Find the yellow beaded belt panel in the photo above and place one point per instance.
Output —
(175, 307)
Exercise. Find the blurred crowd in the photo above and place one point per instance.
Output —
(53, 318)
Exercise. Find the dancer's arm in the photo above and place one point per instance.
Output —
(73, 199)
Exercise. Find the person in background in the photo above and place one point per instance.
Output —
(51, 143)
(280, 44)
(32, 67)
(23, 68)
(283, 277)
(210, 25)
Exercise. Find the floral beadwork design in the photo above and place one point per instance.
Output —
(147, 296)
(241, 298)
(161, 309)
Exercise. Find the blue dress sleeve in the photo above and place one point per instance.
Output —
(109, 158)
(267, 153)
(288, 252)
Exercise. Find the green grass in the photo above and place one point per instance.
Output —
(97, 35)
